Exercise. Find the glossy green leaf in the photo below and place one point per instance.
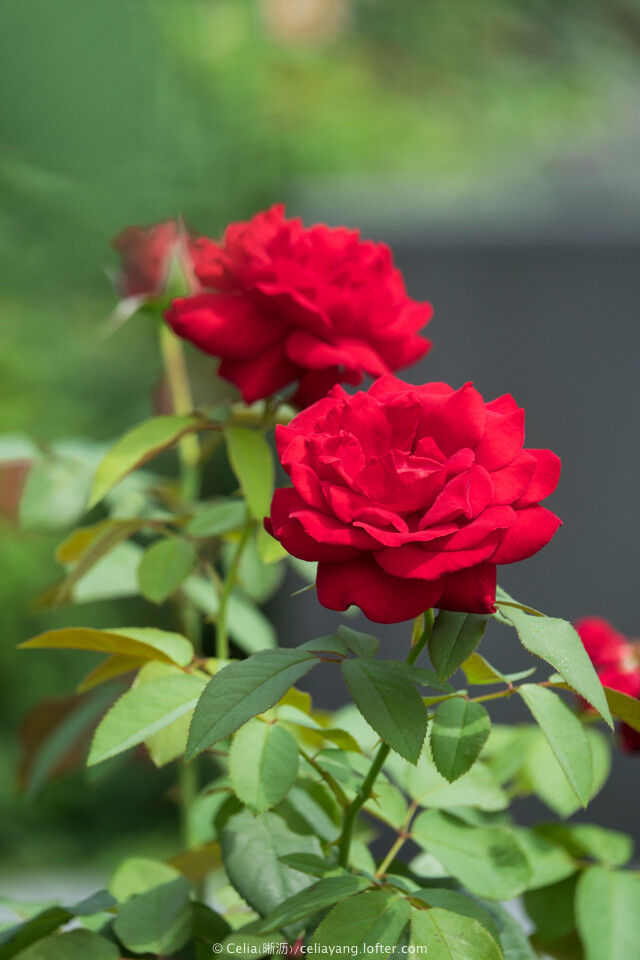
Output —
(311, 808)
(379, 917)
(453, 639)
(459, 731)
(16, 938)
(488, 861)
(549, 861)
(142, 711)
(243, 690)
(73, 945)
(557, 642)
(136, 447)
(252, 848)
(310, 864)
(263, 764)
(165, 564)
(321, 895)
(566, 736)
(450, 936)
(608, 914)
(252, 463)
(216, 518)
(389, 703)
(145, 643)
(157, 921)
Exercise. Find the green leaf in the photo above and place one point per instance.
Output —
(138, 875)
(513, 940)
(453, 639)
(310, 808)
(489, 861)
(479, 672)
(310, 864)
(158, 921)
(449, 936)
(54, 495)
(581, 840)
(243, 690)
(389, 703)
(142, 711)
(252, 463)
(139, 445)
(165, 564)
(551, 909)
(457, 903)
(608, 914)
(549, 862)
(144, 643)
(263, 764)
(624, 707)
(214, 519)
(477, 788)
(87, 547)
(360, 644)
(388, 804)
(317, 897)
(566, 737)
(557, 642)
(366, 920)
(18, 937)
(74, 945)
(252, 848)
(459, 731)
(547, 778)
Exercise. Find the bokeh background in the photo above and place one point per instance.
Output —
(495, 145)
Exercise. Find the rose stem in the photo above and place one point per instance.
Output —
(189, 452)
(352, 811)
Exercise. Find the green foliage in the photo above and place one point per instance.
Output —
(74, 945)
(263, 764)
(458, 733)
(557, 642)
(389, 703)
(156, 921)
(164, 566)
(252, 463)
(453, 639)
(449, 936)
(379, 917)
(608, 913)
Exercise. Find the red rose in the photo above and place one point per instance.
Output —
(617, 663)
(284, 304)
(147, 254)
(409, 496)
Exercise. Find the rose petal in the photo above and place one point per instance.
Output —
(534, 527)
(470, 591)
(545, 479)
(225, 326)
(383, 599)
(261, 376)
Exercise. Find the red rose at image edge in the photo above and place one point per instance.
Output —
(617, 663)
(146, 254)
(409, 496)
(282, 304)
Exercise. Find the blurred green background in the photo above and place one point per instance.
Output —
(132, 111)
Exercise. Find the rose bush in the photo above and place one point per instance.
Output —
(617, 663)
(409, 496)
(284, 304)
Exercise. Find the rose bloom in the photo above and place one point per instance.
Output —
(284, 304)
(146, 255)
(408, 497)
(617, 663)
